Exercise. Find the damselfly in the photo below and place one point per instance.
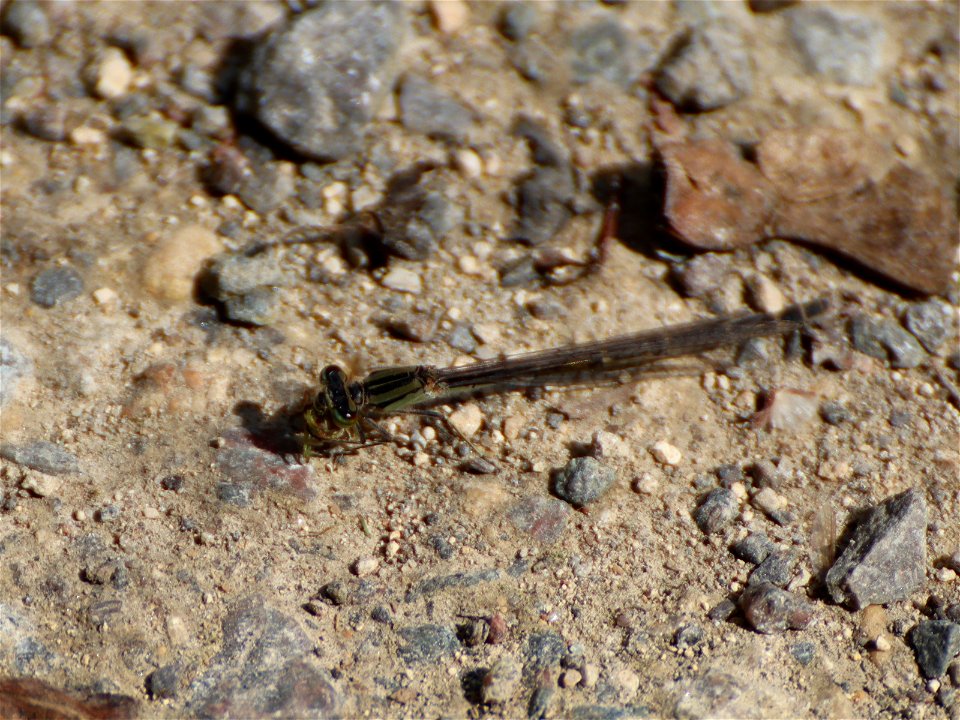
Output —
(344, 411)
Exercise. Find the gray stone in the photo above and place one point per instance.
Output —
(41, 455)
(777, 569)
(935, 643)
(14, 367)
(885, 558)
(583, 481)
(55, 285)
(317, 82)
(754, 548)
(844, 47)
(26, 22)
(543, 651)
(519, 19)
(929, 322)
(543, 203)
(717, 510)
(603, 49)
(265, 668)
(427, 644)
(886, 340)
(706, 68)
(427, 109)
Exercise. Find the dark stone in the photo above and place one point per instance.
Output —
(434, 585)
(234, 493)
(884, 557)
(717, 510)
(601, 49)
(543, 651)
(543, 201)
(803, 652)
(729, 474)
(545, 151)
(935, 643)
(754, 548)
(173, 483)
(427, 644)
(164, 682)
(722, 610)
(777, 569)
(771, 610)
(43, 456)
(583, 481)
(442, 547)
(352, 591)
(56, 285)
(687, 636)
(834, 413)
(318, 81)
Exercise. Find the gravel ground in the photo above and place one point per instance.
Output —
(205, 203)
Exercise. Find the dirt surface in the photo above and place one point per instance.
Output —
(180, 535)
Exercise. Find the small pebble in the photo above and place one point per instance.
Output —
(104, 296)
(765, 295)
(40, 484)
(570, 678)
(113, 75)
(646, 484)
(172, 266)
(27, 22)
(771, 610)
(591, 673)
(449, 15)
(56, 285)
(364, 566)
(665, 453)
(767, 501)
(501, 681)
(466, 419)
(402, 280)
(708, 67)
(583, 481)
(717, 510)
(834, 413)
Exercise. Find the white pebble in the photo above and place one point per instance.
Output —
(364, 566)
(402, 280)
(765, 294)
(646, 484)
(665, 453)
(40, 484)
(104, 296)
(468, 162)
(114, 74)
(466, 419)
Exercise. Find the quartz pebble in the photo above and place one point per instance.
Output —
(665, 453)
